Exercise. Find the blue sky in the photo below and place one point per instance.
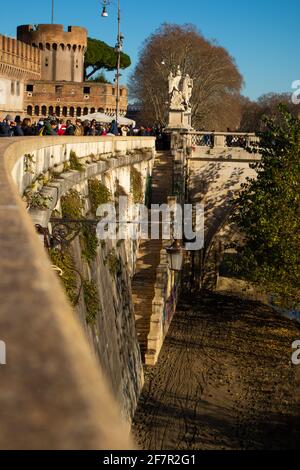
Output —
(262, 35)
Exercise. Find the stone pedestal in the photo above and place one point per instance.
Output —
(179, 121)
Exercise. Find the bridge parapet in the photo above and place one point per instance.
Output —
(223, 139)
(51, 385)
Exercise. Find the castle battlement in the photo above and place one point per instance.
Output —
(18, 60)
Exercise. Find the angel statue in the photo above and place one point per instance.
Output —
(187, 89)
(176, 96)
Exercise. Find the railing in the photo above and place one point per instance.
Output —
(224, 139)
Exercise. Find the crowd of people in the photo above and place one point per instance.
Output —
(16, 127)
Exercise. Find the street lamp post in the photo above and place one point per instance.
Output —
(118, 48)
(52, 12)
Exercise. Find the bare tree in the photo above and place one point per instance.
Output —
(266, 105)
(217, 81)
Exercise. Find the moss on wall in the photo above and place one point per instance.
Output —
(98, 194)
(72, 205)
(65, 262)
(89, 243)
(136, 186)
(92, 301)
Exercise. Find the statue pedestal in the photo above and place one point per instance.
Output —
(179, 121)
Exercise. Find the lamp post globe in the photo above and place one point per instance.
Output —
(175, 256)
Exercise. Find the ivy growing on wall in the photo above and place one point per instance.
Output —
(72, 205)
(89, 243)
(65, 262)
(114, 263)
(98, 194)
(92, 301)
(29, 163)
(37, 200)
(136, 185)
(75, 163)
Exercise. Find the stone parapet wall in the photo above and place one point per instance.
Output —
(52, 386)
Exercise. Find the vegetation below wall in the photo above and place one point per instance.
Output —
(268, 214)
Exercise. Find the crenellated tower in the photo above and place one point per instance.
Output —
(62, 51)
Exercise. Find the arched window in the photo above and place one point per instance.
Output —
(72, 111)
(44, 110)
(37, 110)
(100, 110)
(29, 110)
(12, 88)
(54, 47)
(18, 88)
(65, 111)
(50, 111)
(48, 47)
(57, 111)
(62, 46)
(92, 110)
(78, 111)
(41, 47)
(85, 111)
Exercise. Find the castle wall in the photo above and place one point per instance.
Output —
(19, 62)
(71, 99)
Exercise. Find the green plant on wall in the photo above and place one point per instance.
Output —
(98, 194)
(72, 205)
(75, 163)
(65, 262)
(29, 163)
(37, 200)
(114, 263)
(136, 186)
(89, 243)
(92, 301)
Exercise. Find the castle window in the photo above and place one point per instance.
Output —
(44, 110)
(58, 89)
(78, 111)
(57, 111)
(29, 87)
(29, 110)
(65, 111)
(50, 111)
(72, 111)
(86, 90)
(37, 110)
(85, 111)
(12, 88)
